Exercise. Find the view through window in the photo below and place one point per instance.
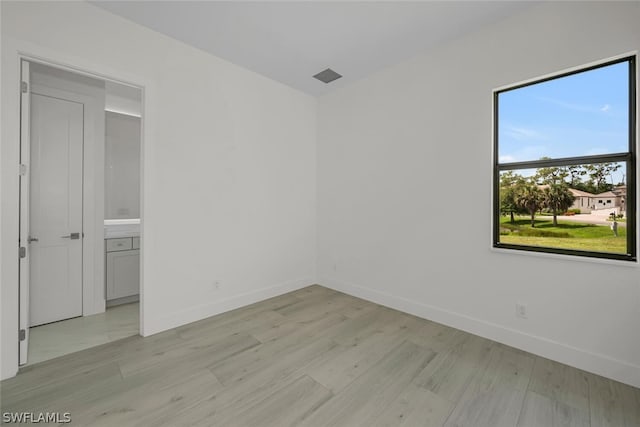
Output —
(564, 163)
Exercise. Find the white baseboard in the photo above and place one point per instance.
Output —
(193, 314)
(599, 364)
(124, 300)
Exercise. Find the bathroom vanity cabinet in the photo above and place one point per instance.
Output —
(122, 269)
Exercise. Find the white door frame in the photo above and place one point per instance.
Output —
(93, 246)
(23, 227)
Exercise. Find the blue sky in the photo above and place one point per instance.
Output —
(578, 115)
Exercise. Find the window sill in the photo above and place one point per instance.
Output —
(565, 257)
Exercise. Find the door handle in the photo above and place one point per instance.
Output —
(72, 236)
(32, 239)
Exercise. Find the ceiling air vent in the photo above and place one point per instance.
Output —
(327, 76)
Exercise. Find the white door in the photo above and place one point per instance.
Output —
(55, 211)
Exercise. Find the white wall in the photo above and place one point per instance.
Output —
(404, 194)
(122, 166)
(228, 189)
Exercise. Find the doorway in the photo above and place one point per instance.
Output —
(63, 293)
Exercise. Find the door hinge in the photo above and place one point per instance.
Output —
(22, 334)
(24, 87)
(23, 252)
(23, 169)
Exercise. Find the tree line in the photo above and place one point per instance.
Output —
(550, 188)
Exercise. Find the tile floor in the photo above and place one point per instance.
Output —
(68, 336)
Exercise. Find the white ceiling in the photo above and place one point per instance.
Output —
(293, 40)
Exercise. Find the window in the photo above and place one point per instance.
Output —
(558, 141)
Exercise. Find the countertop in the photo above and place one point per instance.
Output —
(117, 228)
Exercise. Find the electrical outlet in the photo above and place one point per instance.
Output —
(216, 285)
(521, 310)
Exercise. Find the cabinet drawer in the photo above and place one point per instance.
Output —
(136, 243)
(119, 244)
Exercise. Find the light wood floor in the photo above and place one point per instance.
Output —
(316, 357)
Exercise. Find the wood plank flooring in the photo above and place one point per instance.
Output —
(317, 357)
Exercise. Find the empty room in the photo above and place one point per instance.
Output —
(319, 213)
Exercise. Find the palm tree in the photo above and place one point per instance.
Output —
(531, 199)
(557, 198)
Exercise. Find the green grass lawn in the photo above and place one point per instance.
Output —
(567, 235)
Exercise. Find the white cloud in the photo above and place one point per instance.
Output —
(596, 150)
(568, 105)
(506, 159)
(521, 133)
(605, 108)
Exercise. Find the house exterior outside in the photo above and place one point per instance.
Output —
(602, 203)
(583, 200)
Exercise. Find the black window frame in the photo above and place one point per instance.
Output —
(629, 158)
